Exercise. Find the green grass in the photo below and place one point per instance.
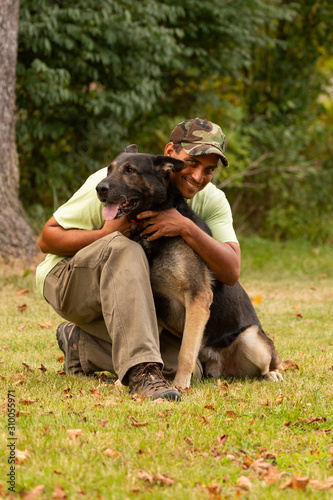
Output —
(292, 420)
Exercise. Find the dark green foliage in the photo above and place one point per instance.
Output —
(287, 120)
(95, 76)
(84, 75)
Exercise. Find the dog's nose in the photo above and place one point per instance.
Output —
(102, 189)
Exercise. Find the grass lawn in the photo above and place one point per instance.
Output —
(78, 438)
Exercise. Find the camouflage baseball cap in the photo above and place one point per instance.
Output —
(200, 137)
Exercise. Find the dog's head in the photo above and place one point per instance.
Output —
(136, 182)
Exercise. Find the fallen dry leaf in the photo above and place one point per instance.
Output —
(136, 423)
(102, 423)
(22, 308)
(232, 414)
(21, 327)
(223, 386)
(204, 419)
(22, 456)
(42, 368)
(163, 478)
(74, 433)
(221, 439)
(59, 493)
(111, 453)
(322, 485)
(210, 407)
(268, 454)
(45, 324)
(188, 440)
(142, 474)
(19, 382)
(244, 483)
(35, 492)
(21, 292)
(257, 300)
(312, 420)
(247, 462)
(95, 393)
(260, 465)
(28, 367)
(28, 401)
(184, 390)
(295, 483)
(279, 399)
(216, 453)
(286, 365)
(215, 490)
(272, 475)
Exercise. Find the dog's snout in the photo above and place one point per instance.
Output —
(102, 188)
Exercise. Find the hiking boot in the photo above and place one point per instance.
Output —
(68, 336)
(146, 380)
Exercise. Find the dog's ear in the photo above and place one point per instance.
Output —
(168, 164)
(132, 148)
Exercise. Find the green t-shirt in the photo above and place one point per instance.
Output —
(84, 211)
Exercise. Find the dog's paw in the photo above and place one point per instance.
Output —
(183, 382)
(273, 376)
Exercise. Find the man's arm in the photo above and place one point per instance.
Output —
(222, 258)
(65, 242)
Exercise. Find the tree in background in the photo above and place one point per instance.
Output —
(288, 127)
(95, 76)
(16, 237)
(87, 71)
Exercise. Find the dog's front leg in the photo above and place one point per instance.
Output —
(197, 315)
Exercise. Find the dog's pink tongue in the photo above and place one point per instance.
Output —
(110, 211)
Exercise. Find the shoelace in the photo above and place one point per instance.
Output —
(150, 369)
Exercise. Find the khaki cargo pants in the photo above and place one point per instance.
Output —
(105, 290)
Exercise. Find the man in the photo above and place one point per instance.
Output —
(98, 279)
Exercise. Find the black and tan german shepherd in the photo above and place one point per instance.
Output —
(216, 322)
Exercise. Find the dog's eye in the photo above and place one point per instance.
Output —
(129, 169)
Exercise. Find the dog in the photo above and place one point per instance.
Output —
(215, 321)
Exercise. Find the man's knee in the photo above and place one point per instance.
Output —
(112, 247)
(127, 251)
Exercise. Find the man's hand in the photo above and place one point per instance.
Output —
(122, 225)
(222, 258)
(166, 223)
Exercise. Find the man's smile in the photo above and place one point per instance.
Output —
(191, 184)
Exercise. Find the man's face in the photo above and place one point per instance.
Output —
(198, 172)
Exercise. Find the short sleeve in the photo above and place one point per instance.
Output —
(83, 210)
(213, 207)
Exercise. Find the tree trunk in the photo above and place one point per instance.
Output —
(16, 237)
